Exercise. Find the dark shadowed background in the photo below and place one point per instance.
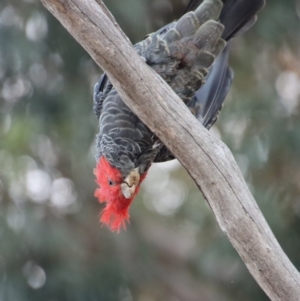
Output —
(52, 247)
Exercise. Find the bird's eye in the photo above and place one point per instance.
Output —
(111, 183)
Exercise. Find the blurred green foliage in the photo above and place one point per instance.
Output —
(52, 246)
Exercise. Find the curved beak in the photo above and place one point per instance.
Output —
(130, 183)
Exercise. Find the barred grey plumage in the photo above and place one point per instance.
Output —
(182, 53)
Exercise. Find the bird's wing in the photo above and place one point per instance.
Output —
(237, 16)
(208, 100)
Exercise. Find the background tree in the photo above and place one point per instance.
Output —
(52, 245)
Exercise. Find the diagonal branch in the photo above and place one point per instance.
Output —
(207, 159)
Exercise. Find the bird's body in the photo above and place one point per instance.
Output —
(181, 53)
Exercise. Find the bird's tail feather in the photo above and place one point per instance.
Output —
(237, 15)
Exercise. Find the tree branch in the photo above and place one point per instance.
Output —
(207, 159)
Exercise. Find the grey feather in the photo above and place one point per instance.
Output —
(208, 100)
(182, 54)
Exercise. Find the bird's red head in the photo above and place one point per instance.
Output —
(109, 179)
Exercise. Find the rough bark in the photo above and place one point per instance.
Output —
(209, 162)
